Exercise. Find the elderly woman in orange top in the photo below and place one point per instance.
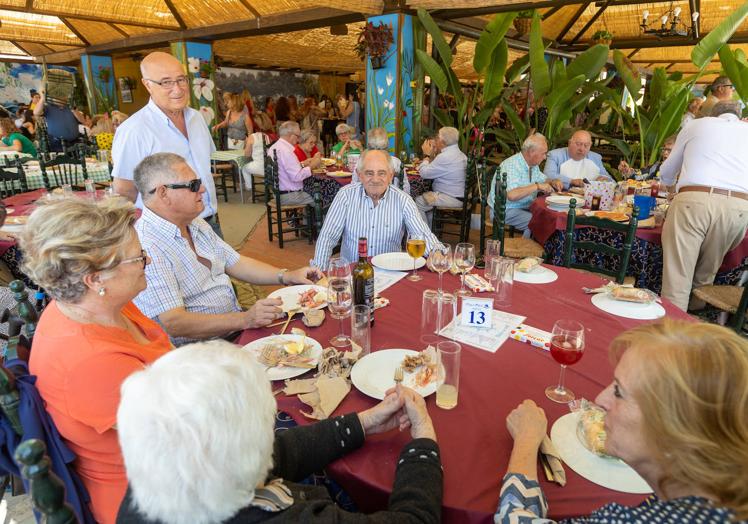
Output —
(91, 337)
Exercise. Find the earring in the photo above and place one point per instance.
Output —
(102, 291)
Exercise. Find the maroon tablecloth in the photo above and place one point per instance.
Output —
(545, 222)
(22, 204)
(473, 438)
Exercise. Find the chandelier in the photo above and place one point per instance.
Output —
(671, 24)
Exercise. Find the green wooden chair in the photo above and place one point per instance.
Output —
(512, 247)
(66, 168)
(12, 181)
(458, 216)
(732, 300)
(293, 218)
(623, 254)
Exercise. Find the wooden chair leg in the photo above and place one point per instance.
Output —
(269, 213)
(280, 228)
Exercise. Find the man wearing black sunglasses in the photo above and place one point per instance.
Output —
(165, 124)
(189, 287)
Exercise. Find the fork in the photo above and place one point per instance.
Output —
(398, 375)
(290, 313)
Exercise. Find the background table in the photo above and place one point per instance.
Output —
(474, 441)
(97, 171)
(549, 228)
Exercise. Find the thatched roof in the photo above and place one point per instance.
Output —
(295, 33)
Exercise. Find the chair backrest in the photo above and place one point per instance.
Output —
(42, 138)
(67, 168)
(272, 188)
(27, 316)
(499, 208)
(401, 176)
(12, 181)
(47, 490)
(623, 253)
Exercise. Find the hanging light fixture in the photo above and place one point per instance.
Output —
(671, 24)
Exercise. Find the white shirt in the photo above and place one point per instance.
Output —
(150, 131)
(447, 170)
(710, 151)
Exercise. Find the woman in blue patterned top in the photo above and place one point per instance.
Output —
(677, 413)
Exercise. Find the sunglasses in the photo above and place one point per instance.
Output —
(142, 258)
(193, 185)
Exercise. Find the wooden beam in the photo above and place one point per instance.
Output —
(661, 61)
(591, 21)
(669, 66)
(552, 11)
(299, 20)
(572, 20)
(32, 40)
(632, 53)
(29, 4)
(74, 30)
(120, 30)
(50, 49)
(645, 43)
(251, 9)
(19, 46)
(175, 14)
(91, 18)
(451, 14)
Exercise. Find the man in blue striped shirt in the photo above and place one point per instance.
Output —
(189, 290)
(373, 209)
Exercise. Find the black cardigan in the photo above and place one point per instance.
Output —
(300, 451)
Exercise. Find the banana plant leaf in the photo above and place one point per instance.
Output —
(434, 70)
(708, 46)
(489, 38)
(629, 75)
(669, 121)
(740, 57)
(657, 89)
(621, 145)
(444, 118)
(562, 93)
(541, 78)
(735, 70)
(676, 76)
(437, 37)
(517, 68)
(494, 81)
(558, 73)
(482, 116)
(517, 123)
(589, 63)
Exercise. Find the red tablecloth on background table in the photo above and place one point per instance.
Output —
(474, 441)
(545, 222)
(22, 204)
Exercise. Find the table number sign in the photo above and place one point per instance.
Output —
(477, 312)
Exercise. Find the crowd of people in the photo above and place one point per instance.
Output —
(171, 425)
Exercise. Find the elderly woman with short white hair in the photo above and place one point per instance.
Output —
(377, 139)
(196, 431)
(346, 143)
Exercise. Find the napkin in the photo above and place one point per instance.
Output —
(648, 223)
(554, 461)
(329, 393)
(477, 283)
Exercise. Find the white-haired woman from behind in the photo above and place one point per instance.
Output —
(377, 139)
(196, 432)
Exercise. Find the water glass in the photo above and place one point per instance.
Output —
(448, 356)
(67, 190)
(493, 250)
(500, 274)
(361, 328)
(438, 310)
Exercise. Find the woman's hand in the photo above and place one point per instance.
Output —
(417, 415)
(527, 423)
(383, 417)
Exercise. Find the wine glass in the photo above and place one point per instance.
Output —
(464, 260)
(440, 260)
(340, 301)
(416, 247)
(567, 347)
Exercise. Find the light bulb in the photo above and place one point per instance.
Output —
(645, 14)
(695, 16)
(676, 11)
(664, 20)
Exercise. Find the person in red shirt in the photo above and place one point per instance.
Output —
(91, 337)
(306, 149)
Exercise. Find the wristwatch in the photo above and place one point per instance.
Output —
(280, 276)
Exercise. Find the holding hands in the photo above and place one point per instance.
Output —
(402, 408)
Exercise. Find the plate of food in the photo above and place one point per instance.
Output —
(615, 216)
(629, 302)
(17, 221)
(374, 374)
(580, 440)
(397, 261)
(305, 296)
(339, 174)
(328, 161)
(286, 356)
(531, 271)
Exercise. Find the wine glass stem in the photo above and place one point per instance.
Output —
(560, 388)
(441, 274)
(342, 334)
(414, 267)
(462, 278)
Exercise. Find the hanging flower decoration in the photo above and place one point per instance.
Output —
(203, 87)
(374, 40)
(104, 74)
(193, 64)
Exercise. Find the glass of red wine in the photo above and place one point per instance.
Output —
(567, 347)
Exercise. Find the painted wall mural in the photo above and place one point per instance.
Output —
(18, 79)
(262, 84)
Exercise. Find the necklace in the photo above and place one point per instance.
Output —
(84, 316)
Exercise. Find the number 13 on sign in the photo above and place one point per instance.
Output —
(477, 312)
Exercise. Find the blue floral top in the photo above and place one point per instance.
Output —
(522, 501)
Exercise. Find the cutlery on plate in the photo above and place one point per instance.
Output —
(398, 375)
(290, 314)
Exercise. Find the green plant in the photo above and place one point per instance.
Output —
(602, 34)
(374, 40)
(527, 13)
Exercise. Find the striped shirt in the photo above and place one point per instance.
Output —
(353, 215)
(176, 279)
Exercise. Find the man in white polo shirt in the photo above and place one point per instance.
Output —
(165, 125)
(709, 215)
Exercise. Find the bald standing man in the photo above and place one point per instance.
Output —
(165, 125)
(575, 163)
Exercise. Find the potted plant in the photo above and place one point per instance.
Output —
(104, 74)
(523, 21)
(603, 37)
(206, 68)
(374, 40)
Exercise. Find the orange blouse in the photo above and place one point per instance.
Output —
(79, 369)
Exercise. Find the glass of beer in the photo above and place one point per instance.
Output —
(416, 247)
(448, 353)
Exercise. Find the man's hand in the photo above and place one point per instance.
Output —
(302, 275)
(556, 184)
(315, 161)
(625, 168)
(545, 187)
(356, 144)
(318, 154)
(577, 182)
(264, 312)
(427, 147)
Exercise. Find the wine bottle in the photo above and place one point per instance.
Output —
(363, 279)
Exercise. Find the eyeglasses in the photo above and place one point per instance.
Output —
(142, 258)
(372, 174)
(193, 185)
(180, 81)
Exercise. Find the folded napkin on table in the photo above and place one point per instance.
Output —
(554, 461)
(329, 393)
(648, 223)
(477, 283)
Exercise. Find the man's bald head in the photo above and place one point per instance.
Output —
(580, 144)
(157, 61)
(166, 82)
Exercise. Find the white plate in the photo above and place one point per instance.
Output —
(610, 473)
(374, 374)
(538, 275)
(290, 295)
(397, 261)
(282, 373)
(558, 208)
(13, 228)
(560, 200)
(625, 309)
